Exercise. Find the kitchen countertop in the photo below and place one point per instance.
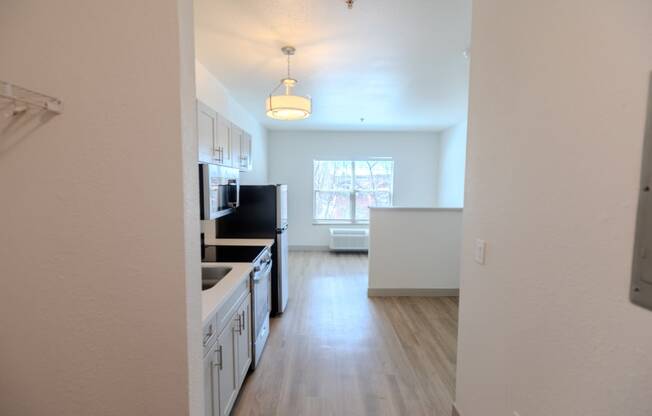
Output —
(214, 297)
(268, 242)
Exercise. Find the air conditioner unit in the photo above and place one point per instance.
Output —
(349, 239)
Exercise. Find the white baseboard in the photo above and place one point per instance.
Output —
(308, 248)
(412, 292)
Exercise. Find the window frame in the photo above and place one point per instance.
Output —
(352, 193)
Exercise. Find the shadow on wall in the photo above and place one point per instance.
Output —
(16, 126)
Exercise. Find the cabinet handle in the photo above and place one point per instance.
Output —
(243, 322)
(208, 335)
(218, 350)
(239, 328)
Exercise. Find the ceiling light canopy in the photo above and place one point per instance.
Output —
(288, 107)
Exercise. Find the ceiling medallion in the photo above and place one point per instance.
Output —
(287, 106)
(349, 3)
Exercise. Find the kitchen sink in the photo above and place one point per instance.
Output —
(210, 276)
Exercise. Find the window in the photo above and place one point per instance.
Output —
(345, 189)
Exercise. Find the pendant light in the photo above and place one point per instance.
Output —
(288, 107)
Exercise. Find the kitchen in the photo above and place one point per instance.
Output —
(191, 180)
(244, 254)
(102, 310)
(248, 140)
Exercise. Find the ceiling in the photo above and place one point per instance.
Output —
(398, 64)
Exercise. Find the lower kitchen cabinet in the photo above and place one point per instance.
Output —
(243, 341)
(211, 391)
(227, 373)
(228, 361)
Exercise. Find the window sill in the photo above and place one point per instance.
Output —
(325, 222)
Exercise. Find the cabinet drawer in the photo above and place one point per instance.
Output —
(228, 309)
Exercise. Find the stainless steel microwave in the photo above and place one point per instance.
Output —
(219, 190)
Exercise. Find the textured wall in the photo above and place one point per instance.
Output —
(558, 100)
(96, 262)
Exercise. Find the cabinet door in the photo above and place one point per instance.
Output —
(245, 152)
(206, 132)
(228, 373)
(244, 339)
(211, 386)
(222, 144)
(236, 140)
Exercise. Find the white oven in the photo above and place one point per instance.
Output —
(261, 295)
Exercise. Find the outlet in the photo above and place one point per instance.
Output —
(480, 251)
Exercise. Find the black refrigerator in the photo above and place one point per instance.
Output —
(262, 213)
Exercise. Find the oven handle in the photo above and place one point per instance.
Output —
(258, 274)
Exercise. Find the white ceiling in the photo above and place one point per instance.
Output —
(399, 64)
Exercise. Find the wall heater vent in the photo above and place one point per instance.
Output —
(349, 239)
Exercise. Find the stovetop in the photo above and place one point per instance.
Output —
(231, 254)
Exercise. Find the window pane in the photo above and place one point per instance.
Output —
(332, 175)
(334, 182)
(332, 205)
(364, 199)
(374, 175)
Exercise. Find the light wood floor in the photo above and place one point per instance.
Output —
(336, 352)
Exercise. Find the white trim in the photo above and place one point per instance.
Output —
(415, 209)
(308, 248)
(391, 292)
(339, 222)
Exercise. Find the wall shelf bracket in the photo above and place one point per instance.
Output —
(24, 98)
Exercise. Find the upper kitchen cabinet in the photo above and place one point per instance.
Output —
(245, 152)
(222, 146)
(220, 141)
(206, 133)
(236, 140)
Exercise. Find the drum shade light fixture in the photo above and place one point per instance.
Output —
(288, 107)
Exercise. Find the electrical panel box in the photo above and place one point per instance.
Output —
(641, 287)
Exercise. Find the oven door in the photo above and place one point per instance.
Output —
(262, 290)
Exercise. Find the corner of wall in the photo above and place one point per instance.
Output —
(451, 166)
(438, 168)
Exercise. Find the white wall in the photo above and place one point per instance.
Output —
(291, 156)
(99, 276)
(450, 189)
(558, 100)
(414, 248)
(211, 91)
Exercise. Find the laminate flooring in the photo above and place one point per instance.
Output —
(337, 352)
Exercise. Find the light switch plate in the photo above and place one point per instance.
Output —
(480, 251)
